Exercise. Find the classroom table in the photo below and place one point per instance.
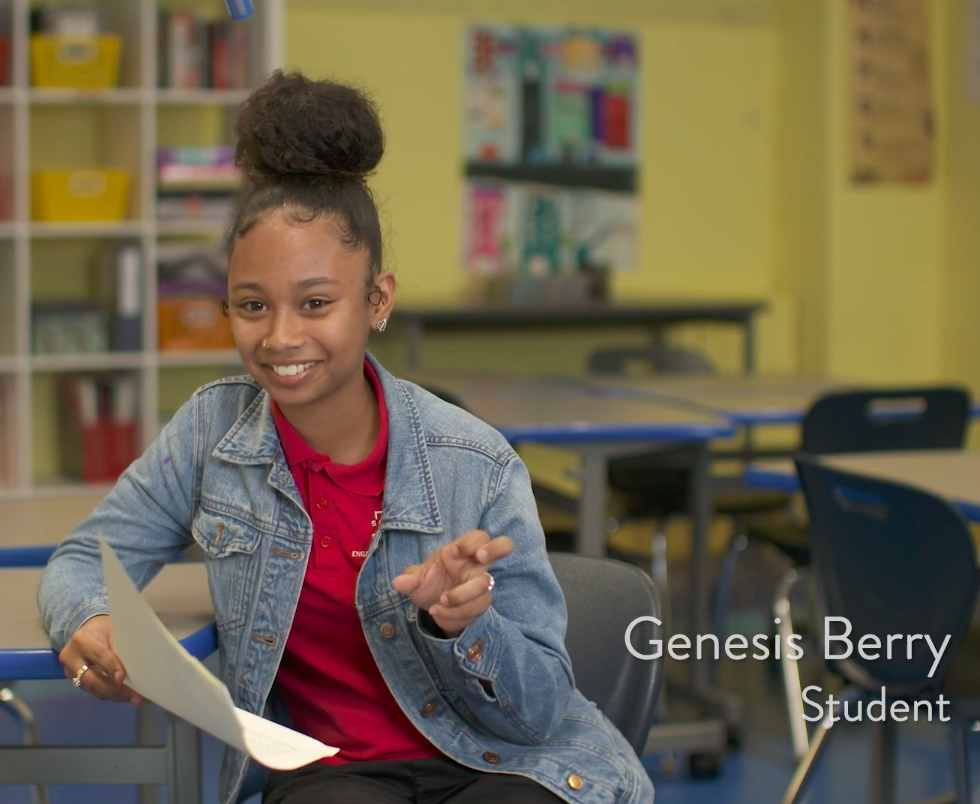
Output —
(416, 320)
(747, 401)
(180, 597)
(40, 520)
(951, 474)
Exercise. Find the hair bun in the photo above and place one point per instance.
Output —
(293, 127)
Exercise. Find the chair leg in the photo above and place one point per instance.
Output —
(960, 734)
(30, 735)
(884, 745)
(804, 771)
(806, 768)
(792, 686)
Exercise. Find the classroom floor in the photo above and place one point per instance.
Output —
(756, 774)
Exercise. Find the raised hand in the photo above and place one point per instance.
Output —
(454, 583)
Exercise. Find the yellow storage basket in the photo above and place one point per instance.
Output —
(79, 195)
(79, 62)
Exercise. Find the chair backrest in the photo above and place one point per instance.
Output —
(603, 597)
(656, 359)
(892, 559)
(896, 419)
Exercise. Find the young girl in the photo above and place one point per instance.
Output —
(377, 569)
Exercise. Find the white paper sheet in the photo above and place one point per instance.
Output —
(162, 671)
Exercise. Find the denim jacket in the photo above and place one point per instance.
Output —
(217, 476)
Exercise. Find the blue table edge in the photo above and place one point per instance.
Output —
(33, 664)
(760, 478)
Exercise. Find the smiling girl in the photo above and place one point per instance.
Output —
(349, 520)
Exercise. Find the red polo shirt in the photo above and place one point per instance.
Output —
(328, 678)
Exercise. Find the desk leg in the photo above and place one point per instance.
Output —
(184, 762)
(701, 511)
(748, 327)
(148, 733)
(714, 701)
(590, 538)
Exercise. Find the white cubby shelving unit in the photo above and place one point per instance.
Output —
(122, 126)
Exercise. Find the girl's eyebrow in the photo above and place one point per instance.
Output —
(316, 280)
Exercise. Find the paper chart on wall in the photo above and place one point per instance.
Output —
(161, 670)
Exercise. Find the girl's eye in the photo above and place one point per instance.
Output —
(252, 306)
(317, 304)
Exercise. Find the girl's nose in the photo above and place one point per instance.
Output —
(285, 333)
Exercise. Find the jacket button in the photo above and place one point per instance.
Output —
(387, 630)
(475, 653)
(429, 710)
(575, 782)
(489, 756)
(321, 504)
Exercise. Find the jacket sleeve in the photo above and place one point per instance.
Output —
(145, 519)
(510, 666)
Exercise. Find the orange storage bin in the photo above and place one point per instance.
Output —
(193, 322)
(79, 195)
(77, 62)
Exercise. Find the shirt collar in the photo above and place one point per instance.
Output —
(365, 478)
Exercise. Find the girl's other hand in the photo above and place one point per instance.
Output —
(91, 646)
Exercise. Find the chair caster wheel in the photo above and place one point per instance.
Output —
(705, 766)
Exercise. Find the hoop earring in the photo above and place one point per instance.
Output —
(382, 324)
(224, 308)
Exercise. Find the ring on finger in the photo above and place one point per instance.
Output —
(492, 583)
(77, 679)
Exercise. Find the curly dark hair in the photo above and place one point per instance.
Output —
(308, 147)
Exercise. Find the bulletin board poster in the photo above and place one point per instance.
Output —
(892, 109)
(551, 150)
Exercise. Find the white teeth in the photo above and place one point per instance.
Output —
(291, 371)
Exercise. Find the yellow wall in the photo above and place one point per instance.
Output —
(869, 263)
(802, 155)
(885, 245)
(961, 302)
(707, 207)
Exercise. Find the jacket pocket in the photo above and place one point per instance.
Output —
(229, 551)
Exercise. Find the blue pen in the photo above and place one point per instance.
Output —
(240, 9)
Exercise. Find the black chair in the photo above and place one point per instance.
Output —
(847, 421)
(603, 597)
(892, 559)
(879, 421)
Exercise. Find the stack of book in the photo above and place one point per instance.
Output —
(196, 183)
(197, 53)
